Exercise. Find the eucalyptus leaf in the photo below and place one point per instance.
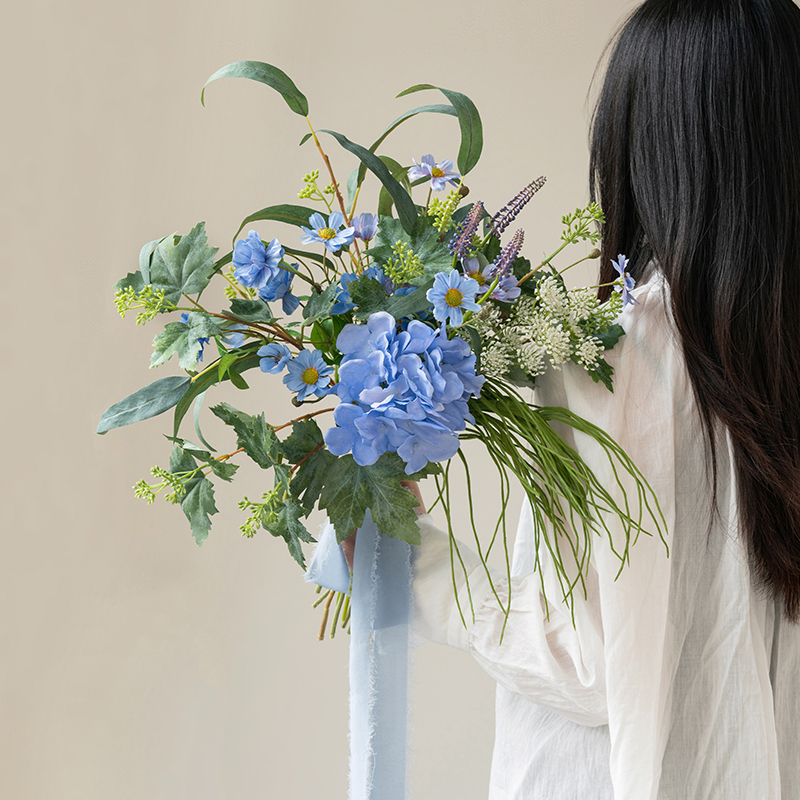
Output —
(406, 210)
(285, 212)
(150, 401)
(267, 74)
(304, 139)
(469, 121)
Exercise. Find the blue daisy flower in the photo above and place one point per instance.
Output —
(308, 374)
(451, 295)
(329, 233)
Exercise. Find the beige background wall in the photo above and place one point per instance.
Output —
(135, 664)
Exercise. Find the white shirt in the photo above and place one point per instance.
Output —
(662, 690)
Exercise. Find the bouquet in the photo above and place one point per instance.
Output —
(399, 332)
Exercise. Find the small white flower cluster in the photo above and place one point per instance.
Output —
(549, 327)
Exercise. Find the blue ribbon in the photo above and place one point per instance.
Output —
(379, 649)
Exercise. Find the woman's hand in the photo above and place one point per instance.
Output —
(349, 544)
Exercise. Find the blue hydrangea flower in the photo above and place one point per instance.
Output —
(329, 232)
(627, 281)
(440, 174)
(278, 288)
(203, 341)
(308, 374)
(403, 391)
(365, 226)
(343, 300)
(256, 264)
(451, 294)
(274, 357)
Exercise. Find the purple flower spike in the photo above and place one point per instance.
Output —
(461, 242)
(508, 213)
(505, 261)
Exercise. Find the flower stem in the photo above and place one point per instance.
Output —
(543, 264)
(305, 416)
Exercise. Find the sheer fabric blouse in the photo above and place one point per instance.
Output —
(679, 680)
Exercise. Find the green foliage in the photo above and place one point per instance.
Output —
(221, 468)
(319, 305)
(197, 501)
(406, 210)
(267, 74)
(253, 434)
(150, 401)
(349, 490)
(314, 464)
(368, 295)
(151, 303)
(183, 264)
(405, 266)
(255, 310)
(580, 224)
(423, 241)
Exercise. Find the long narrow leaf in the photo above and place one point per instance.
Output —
(406, 210)
(150, 401)
(469, 121)
(264, 73)
(433, 109)
(290, 214)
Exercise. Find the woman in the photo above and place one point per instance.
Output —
(681, 678)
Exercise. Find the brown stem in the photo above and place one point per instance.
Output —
(334, 184)
(306, 457)
(226, 457)
(305, 416)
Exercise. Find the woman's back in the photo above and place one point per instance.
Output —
(662, 690)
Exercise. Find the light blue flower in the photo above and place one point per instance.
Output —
(343, 300)
(439, 173)
(451, 294)
(365, 226)
(256, 264)
(329, 232)
(278, 288)
(274, 357)
(627, 281)
(308, 374)
(403, 391)
(507, 289)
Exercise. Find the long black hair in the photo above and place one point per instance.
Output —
(695, 159)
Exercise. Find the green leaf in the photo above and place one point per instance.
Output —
(198, 501)
(400, 306)
(305, 436)
(236, 378)
(368, 294)
(476, 343)
(175, 339)
(400, 173)
(423, 240)
(349, 490)
(252, 433)
(150, 401)
(286, 524)
(198, 404)
(610, 337)
(264, 73)
(245, 359)
(603, 372)
(222, 469)
(319, 305)
(432, 109)
(469, 121)
(132, 279)
(202, 325)
(146, 256)
(255, 310)
(305, 447)
(406, 210)
(290, 214)
(352, 188)
(304, 139)
(183, 264)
